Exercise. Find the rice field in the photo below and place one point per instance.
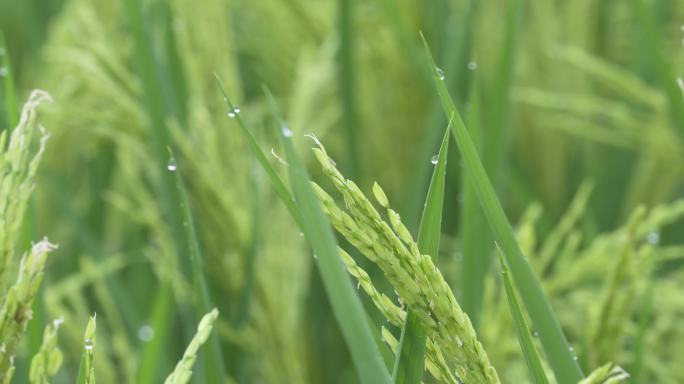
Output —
(341, 191)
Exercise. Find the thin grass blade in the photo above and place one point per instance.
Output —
(347, 307)
(475, 235)
(276, 180)
(347, 83)
(410, 363)
(532, 360)
(162, 104)
(492, 148)
(557, 350)
(214, 369)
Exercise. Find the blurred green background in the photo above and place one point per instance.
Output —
(571, 91)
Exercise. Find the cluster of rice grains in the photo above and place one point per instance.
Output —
(453, 353)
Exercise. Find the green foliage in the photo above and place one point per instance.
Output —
(573, 108)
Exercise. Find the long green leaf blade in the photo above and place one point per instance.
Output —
(276, 180)
(158, 99)
(475, 235)
(522, 331)
(347, 82)
(565, 368)
(214, 369)
(492, 150)
(410, 363)
(346, 305)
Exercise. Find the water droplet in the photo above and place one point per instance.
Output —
(575, 357)
(234, 112)
(440, 73)
(301, 234)
(286, 131)
(358, 285)
(89, 344)
(459, 342)
(472, 65)
(145, 333)
(653, 237)
(3, 71)
(172, 166)
(57, 322)
(535, 333)
(434, 159)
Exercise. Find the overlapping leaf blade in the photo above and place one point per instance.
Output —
(410, 362)
(558, 352)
